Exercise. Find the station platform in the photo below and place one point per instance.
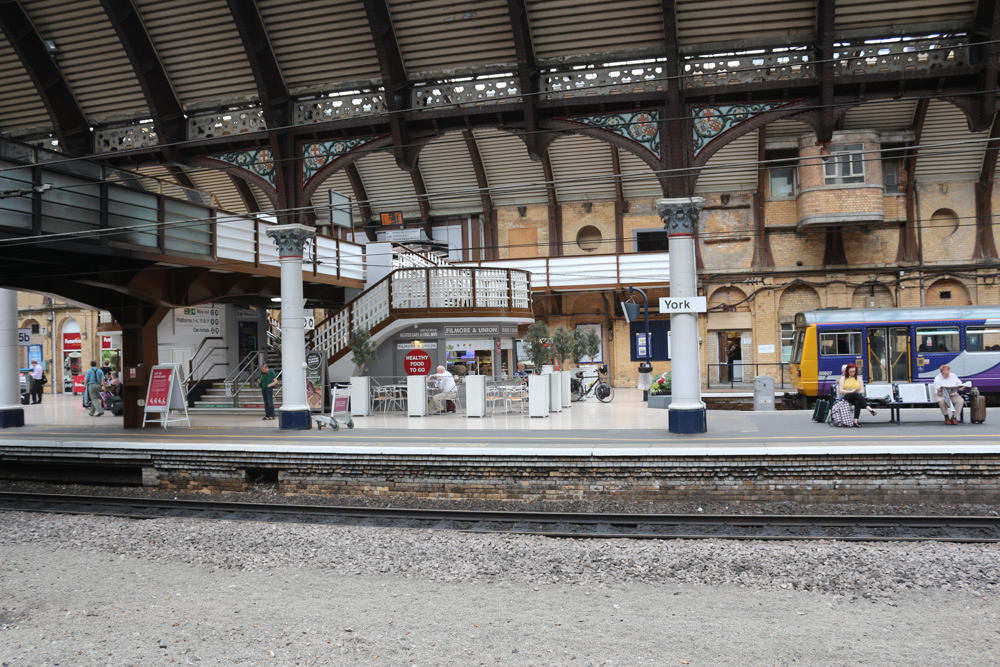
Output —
(591, 451)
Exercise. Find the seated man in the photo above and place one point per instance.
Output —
(520, 374)
(446, 384)
(946, 386)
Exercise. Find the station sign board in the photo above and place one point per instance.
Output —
(197, 321)
(684, 304)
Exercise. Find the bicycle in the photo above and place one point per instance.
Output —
(601, 388)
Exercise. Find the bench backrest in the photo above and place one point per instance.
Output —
(878, 391)
(914, 392)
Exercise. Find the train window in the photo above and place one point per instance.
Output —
(938, 339)
(787, 340)
(840, 343)
(799, 343)
(982, 339)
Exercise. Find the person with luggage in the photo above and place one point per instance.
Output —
(946, 386)
(35, 382)
(852, 390)
(93, 380)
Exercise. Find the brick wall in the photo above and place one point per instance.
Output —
(870, 478)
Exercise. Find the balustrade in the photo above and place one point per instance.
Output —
(604, 81)
(226, 123)
(474, 91)
(338, 107)
(112, 139)
(425, 291)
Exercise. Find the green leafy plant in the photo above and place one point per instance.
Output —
(538, 345)
(564, 344)
(364, 351)
(588, 345)
(661, 384)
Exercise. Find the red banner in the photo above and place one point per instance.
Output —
(159, 388)
(105, 342)
(72, 341)
(78, 386)
(417, 362)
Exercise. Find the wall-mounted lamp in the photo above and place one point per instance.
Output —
(824, 151)
(50, 46)
(724, 199)
(588, 207)
(84, 335)
(522, 211)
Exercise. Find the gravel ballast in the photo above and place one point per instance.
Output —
(80, 590)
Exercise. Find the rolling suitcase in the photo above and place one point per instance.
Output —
(821, 411)
(116, 405)
(977, 406)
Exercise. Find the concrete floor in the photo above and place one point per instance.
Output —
(626, 423)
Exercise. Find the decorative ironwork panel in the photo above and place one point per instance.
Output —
(712, 121)
(259, 161)
(475, 92)
(112, 139)
(641, 127)
(338, 107)
(901, 56)
(604, 81)
(316, 155)
(737, 69)
(226, 124)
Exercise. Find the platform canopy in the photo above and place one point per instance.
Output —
(445, 108)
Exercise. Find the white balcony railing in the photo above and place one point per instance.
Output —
(589, 272)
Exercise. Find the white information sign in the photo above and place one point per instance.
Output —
(416, 345)
(399, 235)
(309, 319)
(765, 349)
(197, 321)
(683, 304)
(24, 337)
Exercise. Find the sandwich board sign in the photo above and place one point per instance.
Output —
(165, 394)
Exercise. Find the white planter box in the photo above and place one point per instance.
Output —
(360, 396)
(567, 400)
(555, 391)
(416, 396)
(475, 395)
(538, 395)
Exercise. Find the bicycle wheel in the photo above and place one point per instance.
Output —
(605, 392)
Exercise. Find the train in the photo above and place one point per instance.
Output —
(896, 345)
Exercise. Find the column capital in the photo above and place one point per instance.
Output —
(290, 239)
(680, 216)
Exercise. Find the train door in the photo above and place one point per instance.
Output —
(878, 356)
(899, 354)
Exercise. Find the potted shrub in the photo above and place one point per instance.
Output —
(363, 350)
(659, 391)
(564, 345)
(538, 345)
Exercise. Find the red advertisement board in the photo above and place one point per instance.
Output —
(78, 386)
(106, 342)
(417, 362)
(159, 388)
(72, 341)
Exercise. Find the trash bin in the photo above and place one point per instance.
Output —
(763, 393)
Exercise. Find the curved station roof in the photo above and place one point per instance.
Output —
(440, 108)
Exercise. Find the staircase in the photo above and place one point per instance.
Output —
(419, 288)
(246, 398)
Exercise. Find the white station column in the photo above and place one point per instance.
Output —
(291, 240)
(11, 412)
(687, 412)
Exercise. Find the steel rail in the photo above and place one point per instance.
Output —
(854, 528)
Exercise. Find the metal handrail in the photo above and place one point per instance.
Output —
(193, 369)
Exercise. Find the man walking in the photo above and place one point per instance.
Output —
(93, 379)
(35, 385)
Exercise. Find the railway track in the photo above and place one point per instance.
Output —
(970, 529)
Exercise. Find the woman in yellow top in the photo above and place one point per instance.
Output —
(852, 390)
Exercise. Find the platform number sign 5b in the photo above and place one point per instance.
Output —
(24, 337)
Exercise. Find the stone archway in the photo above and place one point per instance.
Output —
(729, 299)
(947, 292)
(872, 296)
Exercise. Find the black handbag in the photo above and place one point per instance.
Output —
(44, 380)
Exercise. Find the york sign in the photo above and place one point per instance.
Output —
(684, 304)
